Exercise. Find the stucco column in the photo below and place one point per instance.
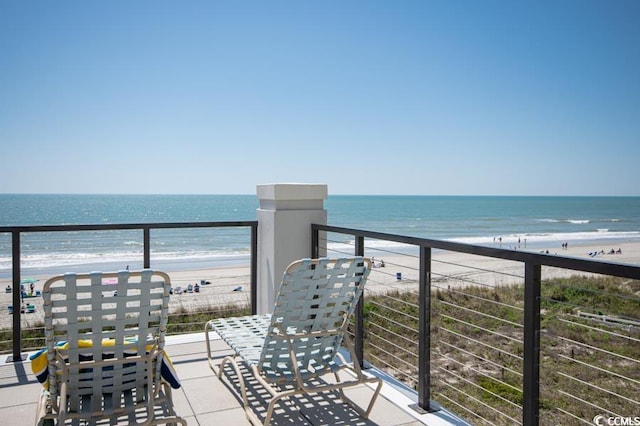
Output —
(285, 215)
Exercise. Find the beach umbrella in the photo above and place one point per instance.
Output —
(29, 280)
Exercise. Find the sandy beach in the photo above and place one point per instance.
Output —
(451, 268)
(219, 292)
(448, 269)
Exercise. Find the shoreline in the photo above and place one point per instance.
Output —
(111, 262)
(448, 268)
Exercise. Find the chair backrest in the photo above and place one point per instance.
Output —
(102, 316)
(315, 299)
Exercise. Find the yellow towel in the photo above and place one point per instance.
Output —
(39, 362)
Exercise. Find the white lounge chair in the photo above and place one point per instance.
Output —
(105, 352)
(290, 350)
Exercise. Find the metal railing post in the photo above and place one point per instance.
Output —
(146, 237)
(531, 367)
(315, 242)
(17, 293)
(254, 269)
(424, 332)
(359, 317)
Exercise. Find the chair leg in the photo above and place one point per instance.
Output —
(236, 368)
(43, 413)
(170, 417)
(375, 395)
(363, 413)
(207, 328)
(277, 398)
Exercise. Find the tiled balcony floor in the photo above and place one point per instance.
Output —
(204, 400)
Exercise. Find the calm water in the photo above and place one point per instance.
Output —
(542, 221)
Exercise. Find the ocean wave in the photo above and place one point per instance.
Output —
(508, 240)
(89, 260)
(51, 260)
(573, 221)
(600, 234)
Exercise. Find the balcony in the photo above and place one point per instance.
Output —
(202, 399)
(458, 332)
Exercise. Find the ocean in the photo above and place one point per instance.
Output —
(483, 220)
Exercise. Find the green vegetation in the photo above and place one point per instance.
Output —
(590, 347)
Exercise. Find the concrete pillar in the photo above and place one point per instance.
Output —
(285, 215)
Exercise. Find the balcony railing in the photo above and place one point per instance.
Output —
(499, 340)
(146, 228)
(497, 344)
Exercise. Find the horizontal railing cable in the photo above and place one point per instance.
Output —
(600, 369)
(390, 333)
(398, 300)
(573, 416)
(465, 409)
(476, 269)
(589, 403)
(597, 349)
(395, 311)
(409, 376)
(477, 327)
(460, 279)
(399, 324)
(598, 388)
(513, 404)
(394, 355)
(598, 292)
(392, 350)
(478, 401)
(483, 359)
(581, 325)
(478, 342)
(453, 290)
(482, 314)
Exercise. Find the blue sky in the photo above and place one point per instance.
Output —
(370, 97)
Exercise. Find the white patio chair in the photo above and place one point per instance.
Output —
(290, 350)
(105, 349)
